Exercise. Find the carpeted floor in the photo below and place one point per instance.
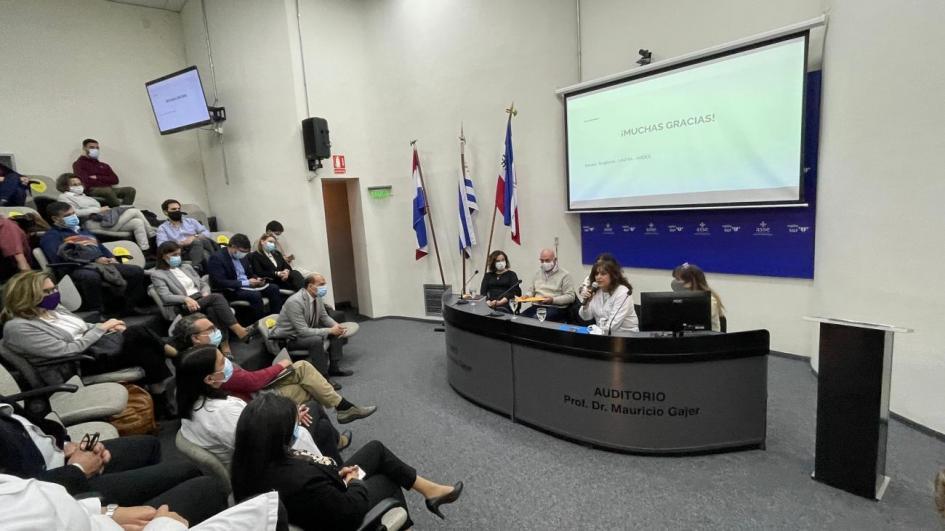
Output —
(520, 478)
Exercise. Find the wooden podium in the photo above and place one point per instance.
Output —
(855, 369)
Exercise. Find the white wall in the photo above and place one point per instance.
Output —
(879, 215)
(75, 69)
(254, 59)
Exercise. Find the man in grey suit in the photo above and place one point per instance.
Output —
(303, 324)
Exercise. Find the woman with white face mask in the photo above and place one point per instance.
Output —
(499, 284)
(269, 263)
(95, 217)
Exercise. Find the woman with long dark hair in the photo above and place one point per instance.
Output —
(690, 277)
(208, 415)
(497, 283)
(320, 493)
(609, 305)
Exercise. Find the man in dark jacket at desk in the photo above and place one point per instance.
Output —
(231, 273)
(95, 267)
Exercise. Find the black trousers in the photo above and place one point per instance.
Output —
(141, 348)
(97, 297)
(323, 431)
(217, 310)
(294, 282)
(387, 475)
(255, 299)
(136, 476)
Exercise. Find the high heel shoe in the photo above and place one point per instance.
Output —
(433, 504)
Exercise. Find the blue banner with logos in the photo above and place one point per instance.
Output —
(775, 242)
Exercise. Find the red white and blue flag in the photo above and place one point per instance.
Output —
(506, 189)
(419, 209)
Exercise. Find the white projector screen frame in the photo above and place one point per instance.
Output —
(774, 198)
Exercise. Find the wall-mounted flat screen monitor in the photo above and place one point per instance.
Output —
(178, 101)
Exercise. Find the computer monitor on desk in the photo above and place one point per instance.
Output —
(675, 311)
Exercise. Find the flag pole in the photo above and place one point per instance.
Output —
(426, 206)
(511, 111)
(462, 165)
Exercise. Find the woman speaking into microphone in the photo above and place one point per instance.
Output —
(607, 301)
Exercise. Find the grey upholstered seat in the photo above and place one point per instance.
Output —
(104, 430)
(205, 461)
(89, 402)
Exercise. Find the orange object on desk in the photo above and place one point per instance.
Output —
(529, 299)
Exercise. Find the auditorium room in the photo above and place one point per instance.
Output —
(381, 265)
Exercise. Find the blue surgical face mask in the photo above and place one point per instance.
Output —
(216, 337)
(321, 291)
(270, 246)
(240, 255)
(227, 369)
(174, 261)
(71, 221)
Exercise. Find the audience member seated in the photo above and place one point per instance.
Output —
(97, 271)
(209, 414)
(610, 304)
(178, 284)
(37, 328)
(304, 383)
(275, 229)
(303, 324)
(554, 285)
(320, 493)
(690, 277)
(269, 263)
(231, 273)
(15, 254)
(94, 216)
(99, 179)
(499, 284)
(195, 240)
(29, 504)
(123, 471)
(13, 187)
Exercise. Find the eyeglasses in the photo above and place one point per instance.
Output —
(89, 440)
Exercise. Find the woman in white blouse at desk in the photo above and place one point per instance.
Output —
(610, 304)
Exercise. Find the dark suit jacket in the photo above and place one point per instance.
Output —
(223, 274)
(20, 457)
(315, 496)
(263, 266)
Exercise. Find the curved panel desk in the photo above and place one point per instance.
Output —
(635, 392)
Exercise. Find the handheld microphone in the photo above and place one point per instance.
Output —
(593, 289)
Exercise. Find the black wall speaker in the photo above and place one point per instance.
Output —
(315, 138)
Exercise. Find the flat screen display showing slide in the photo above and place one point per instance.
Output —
(178, 101)
(724, 130)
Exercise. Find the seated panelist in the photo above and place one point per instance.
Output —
(610, 304)
(554, 285)
(690, 277)
(499, 284)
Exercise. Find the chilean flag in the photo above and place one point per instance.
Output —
(419, 209)
(506, 189)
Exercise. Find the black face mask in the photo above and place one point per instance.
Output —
(175, 216)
